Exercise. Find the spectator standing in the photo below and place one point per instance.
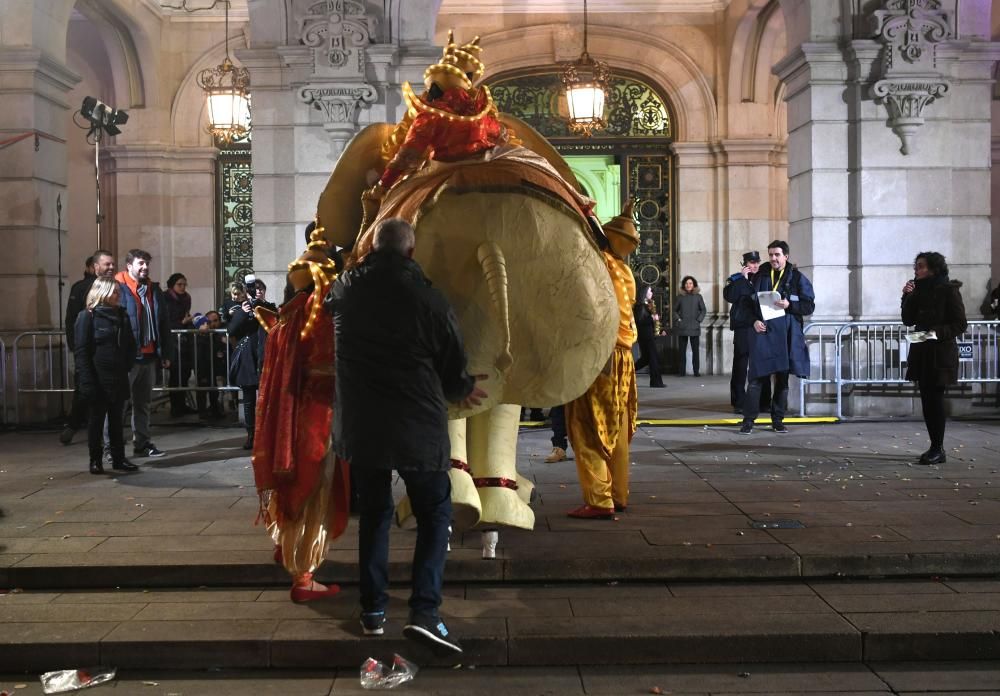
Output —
(179, 312)
(560, 441)
(100, 263)
(104, 351)
(739, 293)
(644, 313)
(778, 346)
(932, 304)
(395, 376)
(212, 364)
(689, 309)
(248, 354)
(237, 295)
(143, 302)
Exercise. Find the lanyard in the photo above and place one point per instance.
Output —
(774, 285)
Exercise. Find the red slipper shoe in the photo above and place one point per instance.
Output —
(308, 593)
(589, 512)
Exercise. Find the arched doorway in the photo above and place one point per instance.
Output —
(631, 159)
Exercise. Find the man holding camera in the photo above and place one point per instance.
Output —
(246, 334)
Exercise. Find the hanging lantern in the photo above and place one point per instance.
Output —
(587, 82)
(227, 87)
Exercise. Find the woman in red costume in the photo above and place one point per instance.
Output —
(303, 487)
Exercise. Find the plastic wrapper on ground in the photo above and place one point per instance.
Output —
(65, 680)
(377, 675)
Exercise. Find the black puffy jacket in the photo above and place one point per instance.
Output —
(104, 349)
(400, 359)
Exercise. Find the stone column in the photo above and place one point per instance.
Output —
(33, 93)
(699, 234)
(164, 203)
(920, 159)
(818, 228)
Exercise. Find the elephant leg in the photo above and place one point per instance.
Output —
(492, 450)
(465, 503)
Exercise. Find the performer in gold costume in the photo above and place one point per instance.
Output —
(601, 422)
(303, 487)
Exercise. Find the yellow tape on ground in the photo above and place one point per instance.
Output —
(698, 422)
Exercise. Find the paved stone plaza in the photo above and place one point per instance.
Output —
(877, 561)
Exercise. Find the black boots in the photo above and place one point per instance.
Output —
(933, 456)
(248, 445)
(96, 467)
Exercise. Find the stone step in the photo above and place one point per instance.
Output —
(540, 563)
(609, 624)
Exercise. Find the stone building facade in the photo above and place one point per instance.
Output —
(859, 130)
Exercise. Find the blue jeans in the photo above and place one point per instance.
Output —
(430, 498)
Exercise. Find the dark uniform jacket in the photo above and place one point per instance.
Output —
(104, 352)
(934, 305)
(782, 348)
(400, 360)
(738, 292)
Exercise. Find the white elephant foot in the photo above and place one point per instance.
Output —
(491, 538)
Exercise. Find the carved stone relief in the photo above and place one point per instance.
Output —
(339, 32)
(910, 31)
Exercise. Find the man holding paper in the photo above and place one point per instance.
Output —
(777, 347)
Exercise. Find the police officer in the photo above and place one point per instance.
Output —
(739, 293)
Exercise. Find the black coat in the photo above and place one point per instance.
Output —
(645, 325)
(246, 336)
(75, 304)
(782, 348)
(104, 353)
(934, 305)
(400, 360)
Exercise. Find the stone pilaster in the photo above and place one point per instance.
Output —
(818, 140)
(934, 196)
(33, 98)
(164, 203)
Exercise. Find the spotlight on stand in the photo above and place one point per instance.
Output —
(102, 117)
(99, 119)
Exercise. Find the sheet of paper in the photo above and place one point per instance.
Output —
(767, 308)
(921, 336)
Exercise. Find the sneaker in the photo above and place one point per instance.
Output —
(373, 623)
(746, 428)
(434, 634)
(148, 450)
(558, 454)
(779, 427)
(66, 436)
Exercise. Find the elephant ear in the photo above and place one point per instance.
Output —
(339, 208)
(536, 142)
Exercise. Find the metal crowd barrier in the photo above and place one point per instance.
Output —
(874, 353)
(50, 361)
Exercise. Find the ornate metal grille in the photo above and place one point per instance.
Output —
(235, 215)
(634, 109)
(638, 135)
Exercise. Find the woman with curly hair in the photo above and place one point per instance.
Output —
(689, 309)
(932, 304)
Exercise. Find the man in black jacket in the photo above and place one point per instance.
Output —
(740, 294)
(100, 263)
(400, 359)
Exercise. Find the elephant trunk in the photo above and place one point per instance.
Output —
(494, 266)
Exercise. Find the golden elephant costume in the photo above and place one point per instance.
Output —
(502, 231)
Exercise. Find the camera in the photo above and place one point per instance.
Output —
(250, 280)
